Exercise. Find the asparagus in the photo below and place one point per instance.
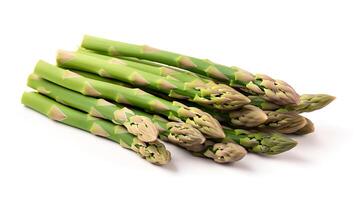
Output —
(247, 116)
(221, 152)
(136, 124)
(281, 122)
(308, 128)
(256, 142)
(202, 121)
(154, 152)
(261, 143)
(179, 133)
(307, 103)
(276, 91)
(218, 96)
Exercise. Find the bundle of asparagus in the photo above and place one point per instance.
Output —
(137, 95)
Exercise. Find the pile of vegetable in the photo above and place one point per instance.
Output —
(139, 96)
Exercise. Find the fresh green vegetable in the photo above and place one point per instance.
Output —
(272, 90)
(283, 122)
(221, 152)
(259, 142)
(136, 124)
(218, 96)
(204, 122)
(307, 103)
(154, 152)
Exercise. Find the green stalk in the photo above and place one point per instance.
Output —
(246, 116)
(135, 97)
(138, 125)
(215, 95)
(275, 91)
(154, 152)
(307, 103)
(191, 80)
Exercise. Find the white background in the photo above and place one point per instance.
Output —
(311, 44)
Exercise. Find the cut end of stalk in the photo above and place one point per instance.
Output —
(154, 152)
(184, 134)
(142, 127)
(226, 152)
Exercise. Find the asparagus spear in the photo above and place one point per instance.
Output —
(204, 122)
(247, 116)
(272, 90)
(307, 103)
(221, 152)
(308, 128)
(261, 143)
(154, 152)
(189, 79)
(211, 94)
(287, 123)
(179, 133)
(136, 124)
(256, 142)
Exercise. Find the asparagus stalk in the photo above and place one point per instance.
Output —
(272, 90)
(154, 152)
(308, 128)
(154, 68)
(136, 124)
(261, 143)
(287, 123)
(176, 132)
(221, 152)
(307, 103)
(204, 122)
(246, 116)
(189, 79)
(179, 133)
(255, 142)
(211, 94)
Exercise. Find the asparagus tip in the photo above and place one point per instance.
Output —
(223, 97)
(278, 143)
(308, 128)
(142, 127)
(248, 116)
(200, 120)
(154, 152)
(184, 134)
(226, 152)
